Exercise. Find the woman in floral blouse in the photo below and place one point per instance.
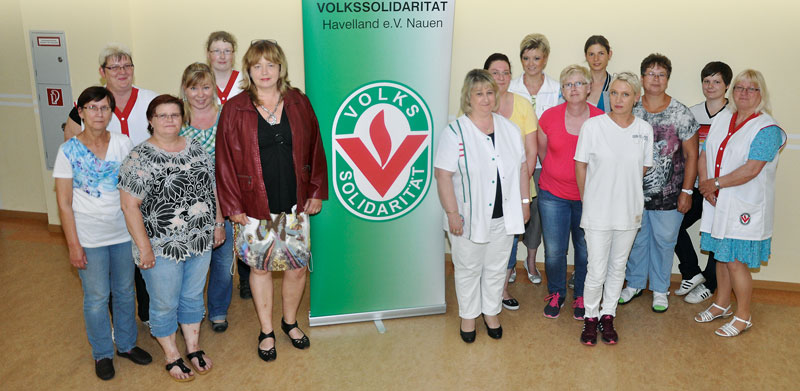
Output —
(167, 192)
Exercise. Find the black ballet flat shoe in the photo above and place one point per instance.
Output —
(300, 343)
(467, 336)
(267, 355)
(104, 368)
(494, 333)
(219, 327)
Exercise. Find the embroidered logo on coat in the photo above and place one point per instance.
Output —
(744, 218)
(382, 137)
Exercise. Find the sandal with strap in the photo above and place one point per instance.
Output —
(300, 343)
(706, 316)
(200, 362)
(270, 354)
(728, 330)
(182, 366)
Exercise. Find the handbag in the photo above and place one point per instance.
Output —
(281, 243)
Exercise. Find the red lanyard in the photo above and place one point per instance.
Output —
(124, 115)
(223, 95)
(732, 128)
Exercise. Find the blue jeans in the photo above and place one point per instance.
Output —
(512, 259)
(220, 279)
(560, 217)
(176, 292)
(653, 249)
(109, 269)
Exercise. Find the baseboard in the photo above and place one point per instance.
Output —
(17, 214)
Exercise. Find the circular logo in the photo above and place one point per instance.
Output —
(382, 137)
(744, 218)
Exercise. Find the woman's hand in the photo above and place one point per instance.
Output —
(77, 257)
(707, 188)
(147, 260)
(312, 206)
(684, 202)
(241, 218)
(219, 235)
(526, 213)
(456, 223)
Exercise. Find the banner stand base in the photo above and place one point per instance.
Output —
(376, 315)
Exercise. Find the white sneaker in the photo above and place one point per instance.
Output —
(660, 302)
(629, 294)
(513, 276)
(688, 285)
(535, 278)
(698, 294)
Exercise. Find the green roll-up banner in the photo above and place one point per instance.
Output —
(378, 75)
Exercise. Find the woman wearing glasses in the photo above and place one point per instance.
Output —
(116, 68)
(86, 175)
(737, 180)
(667, 186)
(129, 119)
(559, 199)
(598, 53)
(270, 160)
(202, 115)
(167, 192)
(520, 112)
(221, 55)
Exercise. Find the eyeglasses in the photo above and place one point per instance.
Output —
(96, 109)
(656, 75)
(497, 74)
(217, 52)
(749, 90)
(164, 117)
(117, 68)
(258, 41)
(577, 84)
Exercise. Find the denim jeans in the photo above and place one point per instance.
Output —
(512, 259)
(560, 218)
(176, 292)
(109, 269)
(220, 279)
(652, 252)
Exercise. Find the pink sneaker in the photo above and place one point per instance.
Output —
(577, 308)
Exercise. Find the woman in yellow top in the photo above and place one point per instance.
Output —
(520, 112)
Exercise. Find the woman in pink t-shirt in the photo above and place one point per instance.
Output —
(559, 200)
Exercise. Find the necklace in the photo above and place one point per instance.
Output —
(272, 119)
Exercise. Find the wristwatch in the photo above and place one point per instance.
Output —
(716, 183)
(688, 191)
(526, 201)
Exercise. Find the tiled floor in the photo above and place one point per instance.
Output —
(44, 346)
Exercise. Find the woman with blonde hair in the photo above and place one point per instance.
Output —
(480, 170)
(221, 56)
(737, 179)
(270, 161)
(202, 115)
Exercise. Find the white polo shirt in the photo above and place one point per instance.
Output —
(475, 162)
(232, 88)
(613, 198)
(549, 94)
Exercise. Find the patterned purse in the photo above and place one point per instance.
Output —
(279, 244)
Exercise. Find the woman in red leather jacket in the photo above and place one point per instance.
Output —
(269, 159)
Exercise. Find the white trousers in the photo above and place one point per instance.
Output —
(605, 271)
(480, 271)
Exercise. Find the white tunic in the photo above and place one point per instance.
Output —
(475, 162)
(613, 198)
(235, 88)
(746, 211)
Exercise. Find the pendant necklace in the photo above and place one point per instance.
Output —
(272, 119)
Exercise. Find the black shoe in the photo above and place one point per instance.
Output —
(300, 343)
(494, 333)
(511, 304)
(219, 327)
(104, 368)
(137, 355)
(467, 336)
(589, 333)
(244, 290)
(267, 355)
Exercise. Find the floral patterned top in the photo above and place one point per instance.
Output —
(177, 193)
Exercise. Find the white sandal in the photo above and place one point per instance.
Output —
(727, 330)
(706, 316)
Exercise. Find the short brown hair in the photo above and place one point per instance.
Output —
(162, 100)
